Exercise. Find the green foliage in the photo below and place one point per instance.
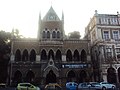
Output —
(74, 35)
(5, 38)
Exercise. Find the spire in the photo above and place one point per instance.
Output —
(39, 16)
(62, 16)
(96, 13)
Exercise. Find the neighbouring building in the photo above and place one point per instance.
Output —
(51, 57)
(103, 31)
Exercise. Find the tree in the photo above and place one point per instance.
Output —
(15, 34)
(74, 35)
(5, 45)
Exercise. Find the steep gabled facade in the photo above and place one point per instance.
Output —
(51, 58)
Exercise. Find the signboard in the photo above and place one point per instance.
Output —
(75, 66)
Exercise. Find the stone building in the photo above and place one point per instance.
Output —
(51, 57)
(103, 31)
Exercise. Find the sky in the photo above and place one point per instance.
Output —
(23, 14)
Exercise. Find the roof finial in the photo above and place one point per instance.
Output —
(51, 3)
(118, 14)
(96, 12)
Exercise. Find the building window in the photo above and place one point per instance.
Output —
(54, 34)
(44, 35)
(109, 52)
(48, 34)
(106, 35)
(118, 50)
(58, 34)
(115, 35)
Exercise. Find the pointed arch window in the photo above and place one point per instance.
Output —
(48, 34)
(32, 55)
(54, 34)
(30, 76)
(44, 34)
(43, 55)
(17, 77)
(18, 55)
(83, 56)
(58, 34)
(82, 76)
(69, 56)
(71, 76)
(25, 55)
(58, 55)
(51, 54)
(76, 55)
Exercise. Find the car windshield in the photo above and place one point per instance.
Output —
(26, 85)
(105, 83)
(95, 83)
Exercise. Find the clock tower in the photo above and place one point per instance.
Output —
(51, 27)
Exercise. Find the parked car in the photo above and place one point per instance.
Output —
(27, 86)
(71, 86)
(2, 85)
(89, 86)
(53, 86)
(106, 85)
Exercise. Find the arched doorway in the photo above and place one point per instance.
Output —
(50, 77)
(30, 76)
(111, 75)
(17, 77)
(82, 76)
(71, 76)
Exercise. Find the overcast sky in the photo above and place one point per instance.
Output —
(23, 14)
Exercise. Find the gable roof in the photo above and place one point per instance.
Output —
(51, 13)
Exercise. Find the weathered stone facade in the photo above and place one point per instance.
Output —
(51, 57)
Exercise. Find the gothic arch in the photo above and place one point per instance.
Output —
(43, 34)
(53, 68)
(111, 75)
(48, 34)
(82, 76)
(58, 55)
(25, 55)
(43, 55)
(18, 55)
(53, 34)
(32, 55)
(51, 54)
(71, 76)
(58, 34)
(17, 77)
(51, 77)
(30, 76)
(83, 56)
(76, 55)
(69, 55)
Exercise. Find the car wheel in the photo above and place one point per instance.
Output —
(113, 88)
(103, 88)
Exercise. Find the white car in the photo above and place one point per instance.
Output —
(106, 85)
